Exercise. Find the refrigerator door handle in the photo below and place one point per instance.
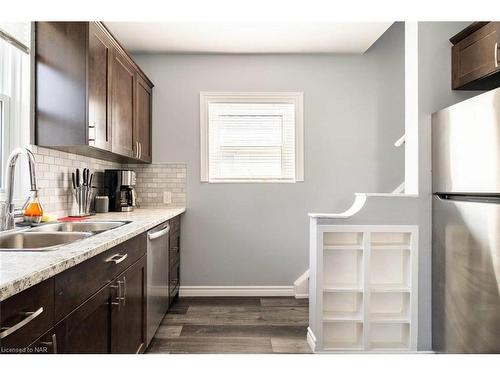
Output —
(470, 197)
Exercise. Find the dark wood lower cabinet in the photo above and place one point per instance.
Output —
(128, 318)
(46, 344)
(87, 329)
(96, 307)
(112, 321)
(26, 316)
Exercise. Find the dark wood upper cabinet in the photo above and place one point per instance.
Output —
(122, 106)
(86, 98)
(99, 73)
(476, 57)
(60, 92)
(144, 110)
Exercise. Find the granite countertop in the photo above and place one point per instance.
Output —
(21, 269)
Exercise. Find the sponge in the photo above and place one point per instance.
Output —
(48, 217)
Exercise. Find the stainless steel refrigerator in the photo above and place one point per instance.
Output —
(466, 226)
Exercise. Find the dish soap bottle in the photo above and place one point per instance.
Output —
(33, 211)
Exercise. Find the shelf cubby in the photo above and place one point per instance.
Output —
(340, 239)
(343, 268)
(390, 336)
(389, 268)
(381, 239)
(340, 306)
(343, 335)
(390, 307)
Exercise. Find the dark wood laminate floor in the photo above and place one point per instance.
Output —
(236, 325)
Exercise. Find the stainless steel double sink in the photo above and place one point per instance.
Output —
(50, 236)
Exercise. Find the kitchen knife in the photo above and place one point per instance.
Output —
(73, 180)
(77, 177)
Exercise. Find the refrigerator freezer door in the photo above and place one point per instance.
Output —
(465, 277)
(466, 146)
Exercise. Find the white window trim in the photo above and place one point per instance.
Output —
(296, 98)
(4, 134)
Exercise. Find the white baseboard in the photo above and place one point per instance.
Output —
(236, 291)
(300, 296)
(301, 285)
(311, 339)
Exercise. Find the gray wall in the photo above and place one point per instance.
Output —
(257, 234)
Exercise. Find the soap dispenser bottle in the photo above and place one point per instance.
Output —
(33, 211)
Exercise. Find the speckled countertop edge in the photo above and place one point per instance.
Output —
(20, 270)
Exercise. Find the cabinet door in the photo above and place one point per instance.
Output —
(87, 329)
(99, 82)
(122, 105)
(128, 331)
(476, 56)
(142, 128)
(45, 344)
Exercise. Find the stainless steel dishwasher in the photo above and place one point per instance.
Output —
(157, 278)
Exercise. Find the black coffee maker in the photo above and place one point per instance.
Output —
(119, 186)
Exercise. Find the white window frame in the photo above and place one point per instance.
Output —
(4, 134)
(296, 98)
(15, 94)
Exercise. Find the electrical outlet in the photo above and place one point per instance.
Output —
(167, 197)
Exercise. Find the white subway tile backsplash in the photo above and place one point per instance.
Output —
(54, 168)
(155, 179)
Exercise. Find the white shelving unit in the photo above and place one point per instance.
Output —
(363, 288)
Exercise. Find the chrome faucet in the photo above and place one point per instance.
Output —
(10, 214)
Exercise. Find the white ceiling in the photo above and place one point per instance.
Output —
(248, 37)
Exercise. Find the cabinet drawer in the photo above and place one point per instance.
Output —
(174, 275)
(28, 315)
(175, 246)
(75, 285)
(175, 224)
(174, 260)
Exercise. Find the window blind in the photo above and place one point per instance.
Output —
(251, 141)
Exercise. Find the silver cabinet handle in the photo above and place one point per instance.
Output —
(160, 233)
(496, 55)
(121, 288)
(140, 150)
(92, 127)
(52, 343)
(124, 290)
(6, 331)
(119, 296)
(137, 149)
(117, 258)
